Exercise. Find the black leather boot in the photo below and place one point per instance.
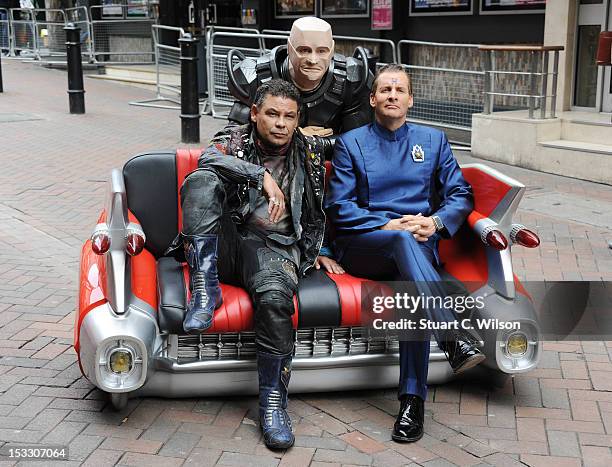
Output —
(409, 424)
(201, 255)
(461, 351)
(274, 374)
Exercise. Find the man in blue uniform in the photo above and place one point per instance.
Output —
(395, 190)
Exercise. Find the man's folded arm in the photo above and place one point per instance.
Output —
(457, 199)
(341, 198)
(232, 169)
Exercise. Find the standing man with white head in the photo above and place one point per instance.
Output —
(335, 89)
(310, 49)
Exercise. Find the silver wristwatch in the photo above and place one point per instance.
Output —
(437, 222)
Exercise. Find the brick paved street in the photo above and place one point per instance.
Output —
(53, 172)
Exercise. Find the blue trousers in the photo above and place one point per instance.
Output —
(395, 254)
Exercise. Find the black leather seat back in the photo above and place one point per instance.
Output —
(151, 187)
(171, 291)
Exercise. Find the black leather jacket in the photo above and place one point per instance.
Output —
(245, 169)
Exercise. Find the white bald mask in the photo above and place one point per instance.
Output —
(310, 48)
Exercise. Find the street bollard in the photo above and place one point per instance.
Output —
(76, 91)
(190, 107)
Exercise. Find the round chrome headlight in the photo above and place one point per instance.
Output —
(121, 361)
(516, 345)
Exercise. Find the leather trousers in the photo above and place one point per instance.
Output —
(244, 260)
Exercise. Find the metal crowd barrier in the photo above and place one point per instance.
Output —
(219, 97)
(216, 71)
(167, 68)
(79, 16)
(168, 65)
(40, 32)
(23, 31)
(211, 29)
(443, 96)
(49, 32)
(446, 95)
(5, 31)
(121, 39)
(365, 40)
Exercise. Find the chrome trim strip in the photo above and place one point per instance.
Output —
(118, 282)
(167, 364)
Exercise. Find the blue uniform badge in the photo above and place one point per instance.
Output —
(418, 155)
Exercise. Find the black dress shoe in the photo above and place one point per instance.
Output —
(461, 351)
(409, 424)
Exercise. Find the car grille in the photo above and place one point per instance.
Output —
(309, 343)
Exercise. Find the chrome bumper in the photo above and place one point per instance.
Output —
(168, 378)
(214, 365)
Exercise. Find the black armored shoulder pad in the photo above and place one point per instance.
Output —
(242, 83)
(358, 73)
(246, 76)
(355, 70)
(268, 65)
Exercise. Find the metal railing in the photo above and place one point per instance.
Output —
(5, 31)
(48, 26)
(167, 67)
(23, 31)
(39, 31)
(443, 95)
(215, 71)
(216, 55)
(531, 85)
(450, 82)
(220, 98)
(372, 42)
(121, 39)
(79, 16)
(212, 29)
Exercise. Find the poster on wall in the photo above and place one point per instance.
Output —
(293, 8)
(345, 8)
(382, 15)
(512, 6)
(440, 7)
(111, 9)
(137, 8)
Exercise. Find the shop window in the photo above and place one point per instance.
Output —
(586, 71)
(294, 8)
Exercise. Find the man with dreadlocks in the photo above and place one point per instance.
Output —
(260, 213)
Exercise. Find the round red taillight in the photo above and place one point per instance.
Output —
(527, 238)
(496, 239)
(135, 243)
(100, 242)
